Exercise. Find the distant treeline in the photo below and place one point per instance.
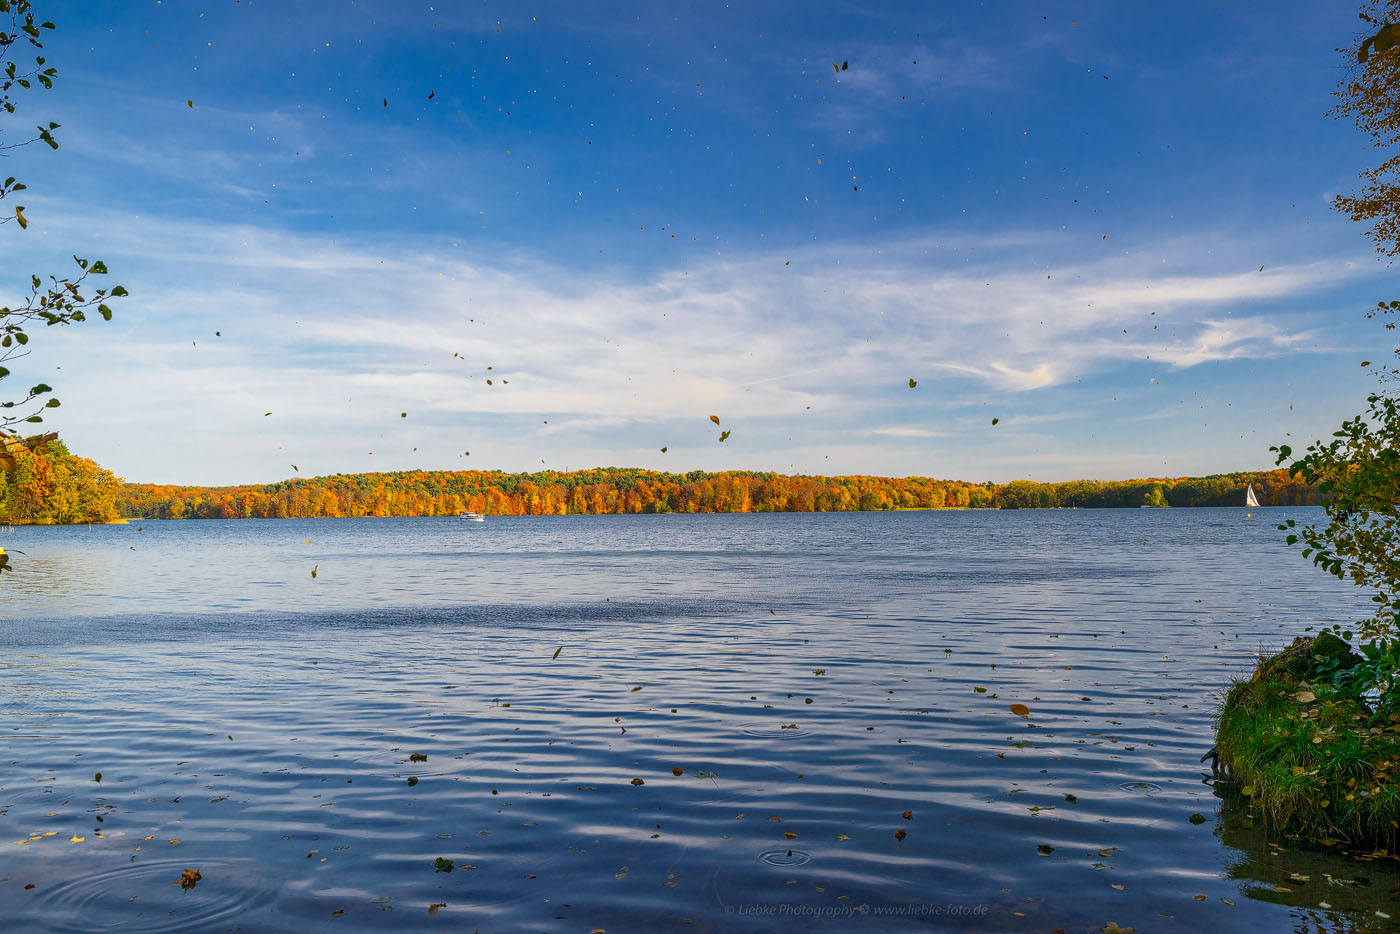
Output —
(629, 490)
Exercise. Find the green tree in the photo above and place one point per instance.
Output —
(52, 300)
(1358, 471)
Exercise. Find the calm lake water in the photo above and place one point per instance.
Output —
(833, 688)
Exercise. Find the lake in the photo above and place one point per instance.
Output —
(637, 723)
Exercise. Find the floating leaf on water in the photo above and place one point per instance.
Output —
(912, 382)
(1020, 710)
(678, 771)
(907, 815)
(1071, 799)
(663, 450)
(188, 879)
(417, 757)
(715, 419)
(1197, 818)
(557, 651)
(995, 420)
(97, 777)
(901, 833)
(638, 688)
(1198, 898)
(440, 865)
(433, 908)
(980, 690)
(1113, 928)
(413, 779)
(724, 436)
(314, 570)
(1043, 849)
(638, 781)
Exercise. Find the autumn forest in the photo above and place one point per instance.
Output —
(44, 483)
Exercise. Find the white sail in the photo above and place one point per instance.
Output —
(1249, 498)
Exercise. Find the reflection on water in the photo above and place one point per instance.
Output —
(1327, 889)
(631, 723)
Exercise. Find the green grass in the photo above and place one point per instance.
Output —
(1321, 768)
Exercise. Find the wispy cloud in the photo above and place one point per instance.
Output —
(337, 336)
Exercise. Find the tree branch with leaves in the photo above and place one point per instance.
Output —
(54, 300)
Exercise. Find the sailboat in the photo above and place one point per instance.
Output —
(1249, 497)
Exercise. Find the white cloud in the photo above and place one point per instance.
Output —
(338, 336)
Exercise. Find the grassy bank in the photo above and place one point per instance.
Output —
(1313, 763)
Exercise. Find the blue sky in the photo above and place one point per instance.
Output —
(632, 217)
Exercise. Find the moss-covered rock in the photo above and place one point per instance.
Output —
(1302, 661)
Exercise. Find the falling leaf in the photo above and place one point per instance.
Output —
(189, 104)
(403, 415)
(790, 835)
(1020, 710)
(912, 383)
(663, 450)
